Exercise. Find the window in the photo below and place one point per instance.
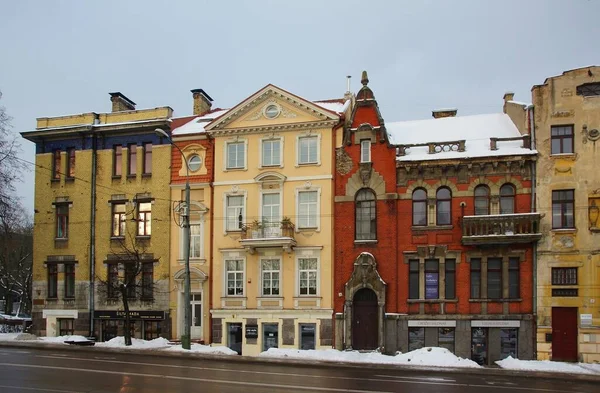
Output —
(52, 281)
(564, 276)
(419, 204)
(507, 199)
(366, 215)
(130, 279)
(147, 280)
(236, 155)
(69, 280)
(475, 278)
(56, 165)
(365, 151)
(194, 162)
(271, 152)
(416, 338)
(508, 342)
(494, 278)
(152, 330)
(196, 243)
(147, 158)
(482, 200)
(450, 272)
(513, 278)
(117, 159)
(446, 338)
(62, 221)
(66, 326)
(307, 147)
(589, 89)
(271, 218)
(563, 208)
(71, 162)
(443, 206)
(307, 209)
(235, 212)
(235, 277)
(112, 281)
(432, 279)
(119, 218)
(132, 158)
(413, 279)
(307, 274)
(144, 218)
(565, 292)
(562, 139)
(270, 277)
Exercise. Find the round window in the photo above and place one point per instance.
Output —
(194, 162)
(272, 111)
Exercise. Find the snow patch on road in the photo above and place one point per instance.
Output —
(511, 363)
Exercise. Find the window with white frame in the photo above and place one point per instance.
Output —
(271, 214)
(235, 212)
(235, 277)
(271, 152)
(307, 276)
(196, 243)
(307, 209)
(270, 276)
(307, 150)
(236, 155)
(365, 150)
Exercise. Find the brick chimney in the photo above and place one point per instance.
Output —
(202, 102)
(441, 113)
(508, 96)
(121, 103)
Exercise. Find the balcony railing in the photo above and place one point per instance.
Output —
(268, 235)
(501, 229)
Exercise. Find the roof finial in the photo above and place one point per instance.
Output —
(365, 79)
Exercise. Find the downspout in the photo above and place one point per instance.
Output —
(531, 125)
(211, 237)
(92, 260)
(332, 207)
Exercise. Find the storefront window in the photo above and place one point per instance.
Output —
(508, 342)
(66, 326)
(446, 338)
(307, 336)
(416, 338)
(479, 345)
(270, 336)
(152, 330)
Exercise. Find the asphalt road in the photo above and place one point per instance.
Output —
(58, 370)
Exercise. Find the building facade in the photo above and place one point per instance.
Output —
(567, 124)
(273, 250)
(102, 209)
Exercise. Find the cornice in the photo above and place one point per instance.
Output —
(274, 127)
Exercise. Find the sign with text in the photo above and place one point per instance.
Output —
(431, 286)
(496, 323)
(251, 331)
(134, 315)
(431, 323)
(586, 319)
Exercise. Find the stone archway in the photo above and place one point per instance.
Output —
(364, 276)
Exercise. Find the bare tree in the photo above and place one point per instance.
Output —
(10, 167)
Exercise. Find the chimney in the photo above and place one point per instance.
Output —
(202, 102)
(508, 96)
(121, 103)
(348, 93)
(441, 113)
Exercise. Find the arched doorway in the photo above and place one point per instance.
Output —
(365, 321)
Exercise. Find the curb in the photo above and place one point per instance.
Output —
(494, 371)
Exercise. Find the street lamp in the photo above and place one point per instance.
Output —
(186, 336)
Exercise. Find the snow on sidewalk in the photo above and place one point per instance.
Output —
(62, 339)
(426, 357)
(511, 363)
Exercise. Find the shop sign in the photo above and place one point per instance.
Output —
(586, 319)
(431, 286)
(430, 323)
(134, 315)
(496, 323)
(251, 331)
(307, 329)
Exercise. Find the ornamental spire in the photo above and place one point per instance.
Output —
(365, 79)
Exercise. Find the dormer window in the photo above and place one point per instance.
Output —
(365, 150)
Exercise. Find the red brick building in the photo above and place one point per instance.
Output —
(434, 234)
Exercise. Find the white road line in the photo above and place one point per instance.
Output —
(38, 389)
(434, 379)
(245, 383)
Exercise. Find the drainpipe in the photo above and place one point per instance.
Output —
(531, 125)
(211, 236)
(92, 260)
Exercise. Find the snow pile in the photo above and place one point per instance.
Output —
(428, 356)
(62, 339)
(207, 349)
(119, 342)
(511, 363)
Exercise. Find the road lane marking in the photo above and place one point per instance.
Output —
(217, 381)
(435, 379)
(39, 390)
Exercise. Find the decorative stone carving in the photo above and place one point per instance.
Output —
(365, 172)
(343, 162)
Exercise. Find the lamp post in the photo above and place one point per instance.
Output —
(186, 336)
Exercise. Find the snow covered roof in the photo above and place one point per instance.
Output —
(197, 124)
(475, 130)
(337, 106)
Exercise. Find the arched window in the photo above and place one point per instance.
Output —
(507, 199)
(482, 200)
(443, 198)
(366, 215)
(419, 203)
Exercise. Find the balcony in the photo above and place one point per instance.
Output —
(268, 235)
(501, 229)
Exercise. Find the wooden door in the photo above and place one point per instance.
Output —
(564, 334)
(365, 324)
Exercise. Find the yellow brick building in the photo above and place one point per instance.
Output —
(273, 257)
(101, 201)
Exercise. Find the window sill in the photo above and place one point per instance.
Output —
(304, 297)
(69, 179)
(146, 175)
(234, 169)
(237, 297)
(69, 299)
(147, 299)
(234, 231)
(61, 239)
(316, 229)
(131, 176)
(564, 230)
(117, 238)
(142, 237)
(595, 229)
(302, 164)
(365, 241)
(55, 180)
(116, 177)
(418, 228)
(270, 166)
(52, 299)
(495, 300)
(571, 156)
(432, 301)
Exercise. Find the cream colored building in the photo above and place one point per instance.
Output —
(273, 256)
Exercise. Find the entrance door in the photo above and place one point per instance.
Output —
(564, 334)
(270, 336)
(365, 326)
(196, 328)
(479, 345)
(234, 339)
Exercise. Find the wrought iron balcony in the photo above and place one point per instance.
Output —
(501, 229)
(268, 235)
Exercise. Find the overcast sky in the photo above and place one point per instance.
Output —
(64, 57)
